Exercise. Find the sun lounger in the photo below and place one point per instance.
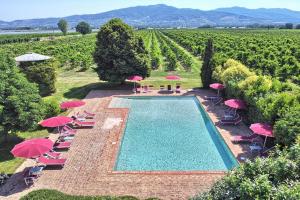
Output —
(89, 115)
(62, 145)
(240, 138)
(231, 121)
(80, 124)
(52, 154)
(51, 162)
(210, 98)
(178, 89)
(66, 130)
(217, 101)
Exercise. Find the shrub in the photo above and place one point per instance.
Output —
(287, 128)
(41, 73)
(260, 179)
(51, 106)
(56, 195)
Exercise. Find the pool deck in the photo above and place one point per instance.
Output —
(90, 160)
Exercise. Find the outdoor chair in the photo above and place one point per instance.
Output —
(217, 101)
(139, 89)
(145, 89)
(178, 89)
(170, 88)
(162, 88)
(150, 88)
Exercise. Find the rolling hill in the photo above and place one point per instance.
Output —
(167, 16)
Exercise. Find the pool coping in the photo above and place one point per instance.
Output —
(119, 139)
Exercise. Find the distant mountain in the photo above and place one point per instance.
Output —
(167, 16)
(274, 15)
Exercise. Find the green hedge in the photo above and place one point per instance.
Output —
(56, 195)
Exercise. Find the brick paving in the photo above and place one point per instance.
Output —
(90, 160)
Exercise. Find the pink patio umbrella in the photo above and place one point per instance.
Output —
(134, 78)
(32, 148)
(217, 86)
(56, 121)
(173, 77)
(71, 104)
(235, 104)
(262, 129)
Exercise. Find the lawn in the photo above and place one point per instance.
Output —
(76, 85)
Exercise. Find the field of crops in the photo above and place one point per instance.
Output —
(268, 52)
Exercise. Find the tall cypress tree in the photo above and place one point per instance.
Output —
(207, 67)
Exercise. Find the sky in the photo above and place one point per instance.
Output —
(28, 9)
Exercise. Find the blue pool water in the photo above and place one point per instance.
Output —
(170, 134)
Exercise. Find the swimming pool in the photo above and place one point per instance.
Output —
(170, 134)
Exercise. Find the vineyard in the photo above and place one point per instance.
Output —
(274, 53)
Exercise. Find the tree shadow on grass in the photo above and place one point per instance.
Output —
(82, 91)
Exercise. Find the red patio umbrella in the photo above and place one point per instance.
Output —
(217, 86)
(262, 129)
(56, 121)
(32, 148)
(71, 104)
(134, 78)
(236, 104)
(173, 77)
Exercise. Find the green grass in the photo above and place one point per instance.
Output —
(56, 195)
(8, 163)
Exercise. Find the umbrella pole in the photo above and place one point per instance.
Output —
(265, 142)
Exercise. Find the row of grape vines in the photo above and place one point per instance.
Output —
(275, 53)
(74, 52)
(165, 54)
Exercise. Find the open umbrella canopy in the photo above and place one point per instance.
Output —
(71, 104)
(236, 104)
(173, 77)
(262, 129)
(31, 57)
(56, 121)
(135, 78)
(217, 86)
(32, 148)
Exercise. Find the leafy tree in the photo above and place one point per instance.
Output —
(21, 106)
(207, 67)
(289, 26)
(83, 28)
(63, 26)
(42, 73)
(297, 26)
(120, 53)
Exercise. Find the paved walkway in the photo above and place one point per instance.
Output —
(88, 170)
